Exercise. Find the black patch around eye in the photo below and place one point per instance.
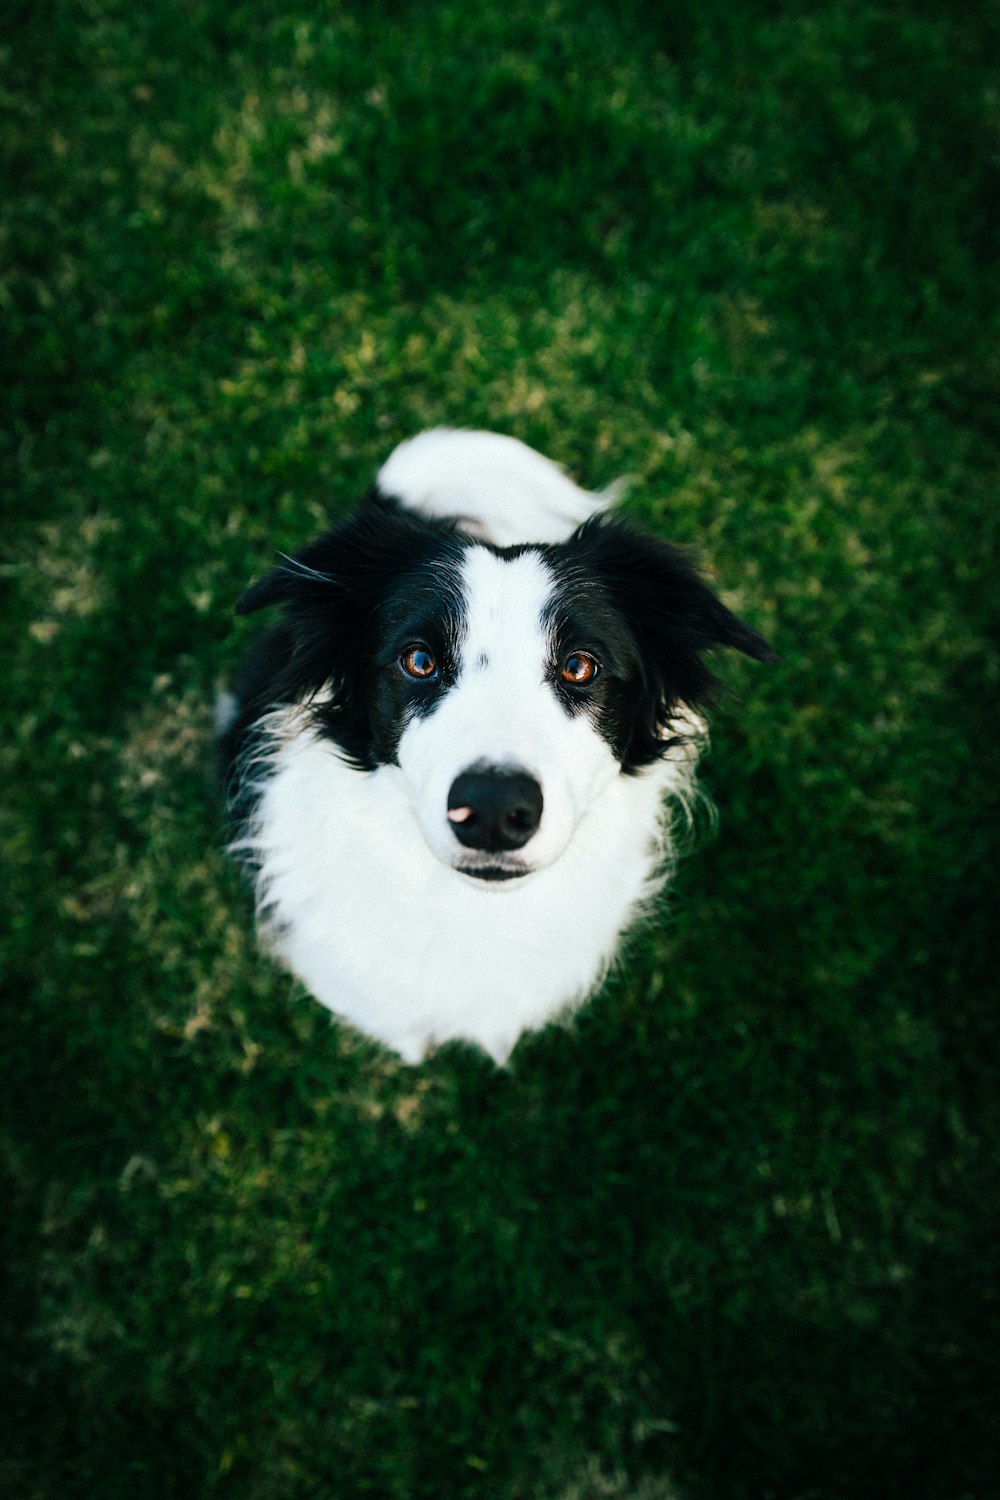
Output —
(648, 603)
(354, 600)
(605, 699)
(424, 613)
(586, 615)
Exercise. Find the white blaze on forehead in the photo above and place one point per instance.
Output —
(505, 603)
(502, 711)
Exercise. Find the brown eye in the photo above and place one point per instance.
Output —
(580, 668)
(418, 662)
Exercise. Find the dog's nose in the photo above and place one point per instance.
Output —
(493, 809)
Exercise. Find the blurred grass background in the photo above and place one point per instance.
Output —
(734, 1234)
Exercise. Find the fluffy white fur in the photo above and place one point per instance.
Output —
(395, 941)
(360, 891)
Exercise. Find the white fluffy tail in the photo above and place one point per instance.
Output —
(497, 488)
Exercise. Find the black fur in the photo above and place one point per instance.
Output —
(353, 599)
(639, 605)
(359, 595)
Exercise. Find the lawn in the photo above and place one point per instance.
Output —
(733, 1234)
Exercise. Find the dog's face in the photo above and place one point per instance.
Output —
(508, 687)
(495, 713)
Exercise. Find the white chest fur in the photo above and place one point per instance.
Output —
(410, 951)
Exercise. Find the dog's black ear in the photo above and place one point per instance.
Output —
(374, 542)
(309, 573)
(273, 588)
(700, 613)
(658, 585)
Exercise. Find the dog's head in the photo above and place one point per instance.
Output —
(507, 685)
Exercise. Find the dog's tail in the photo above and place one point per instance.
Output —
(495, 487)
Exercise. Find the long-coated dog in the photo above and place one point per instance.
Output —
(454, 762)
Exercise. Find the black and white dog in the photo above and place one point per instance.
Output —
(454, 761)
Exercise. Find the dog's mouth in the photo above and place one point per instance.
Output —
(494, 872)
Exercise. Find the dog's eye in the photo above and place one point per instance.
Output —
(580, 668)
(418, 662)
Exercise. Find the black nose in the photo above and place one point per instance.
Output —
(493, 809)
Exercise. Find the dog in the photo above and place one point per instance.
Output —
(454, 763)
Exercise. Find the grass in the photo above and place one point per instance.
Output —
(732, 1236)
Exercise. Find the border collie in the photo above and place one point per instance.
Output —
(453, 763)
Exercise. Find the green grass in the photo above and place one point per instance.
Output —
(733, 1235)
